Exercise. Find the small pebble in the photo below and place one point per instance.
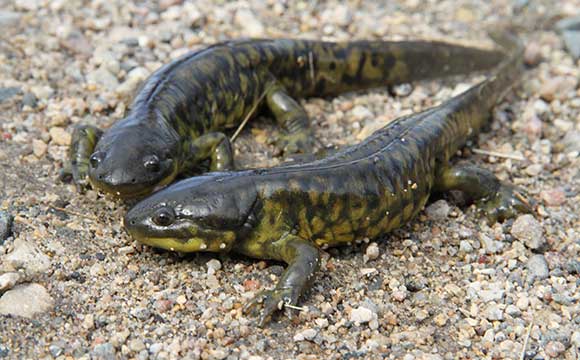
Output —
(523, 302)
(553, 197)
(537, 268)
(529, 231)
(39, 148)
(421, 315)
(29, 100)
(308, 334)
(213, 266)
(438, 211)
(513, 311)
(372, 252)
(532, 54)
(573, 267)
(9, 19)
(249, 23)
(493, 313)
(8, 280)
(136, 345)
(26, 300)
(575, 339)
(465, 247)
(8, 93)
(60, 136)
(557, 88)
(361, 315)
(554, 349)
(55, 350)
(104, 351)
(441, 319)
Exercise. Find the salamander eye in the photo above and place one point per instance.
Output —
(151, 163)
(164, 217)
(96, 159)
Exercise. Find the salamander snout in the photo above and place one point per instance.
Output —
(128, 173)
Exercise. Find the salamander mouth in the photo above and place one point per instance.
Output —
(133, 188)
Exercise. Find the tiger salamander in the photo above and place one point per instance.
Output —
(288, 213)
(176, 122)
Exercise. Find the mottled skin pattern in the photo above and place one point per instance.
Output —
(176, 121)
(289, 212)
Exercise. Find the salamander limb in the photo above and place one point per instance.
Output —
(292, 117)
(84, 140)
(303, 259)
(498, 200)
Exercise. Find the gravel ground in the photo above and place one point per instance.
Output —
(445, 286)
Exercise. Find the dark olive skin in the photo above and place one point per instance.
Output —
(289, 212)
(177, 121)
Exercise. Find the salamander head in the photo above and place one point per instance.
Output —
(133, 160)
(197, 214)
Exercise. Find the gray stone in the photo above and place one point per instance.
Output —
(104, 351)
(26, 256)
(155, 348)
(570, 30)
(513, 311)
(249, 22)
(213, 266)
(575, 339)
(573, 267)
(55, 350)
(572, 23)
(104, 78)
(571, 141)
(26, 301)
(8, 280)
(465, 246)
(8, 92)
(494, 293)
(493, 312)
(362, 315)
(438, 211)
(572, 41)
(6, 220)
(29, 100)
(537, 268)
(529, 231)
(489, 245)
(9, 19)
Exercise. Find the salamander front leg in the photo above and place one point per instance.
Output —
(299, 137)
(303, 261)
(84, 140)
(214, 146)
(497, 199)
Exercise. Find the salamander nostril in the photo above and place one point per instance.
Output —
(133, 181)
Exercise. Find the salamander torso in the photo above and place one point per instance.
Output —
(177, 120)
(289, 212)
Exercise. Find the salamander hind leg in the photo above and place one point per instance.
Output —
(498, 200)
(214, 146)
(303, 260)
(84, 140)
(299, 137)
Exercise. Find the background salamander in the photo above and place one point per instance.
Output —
(177, 120)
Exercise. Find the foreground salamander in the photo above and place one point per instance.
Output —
(289, 212)
(176, 121)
